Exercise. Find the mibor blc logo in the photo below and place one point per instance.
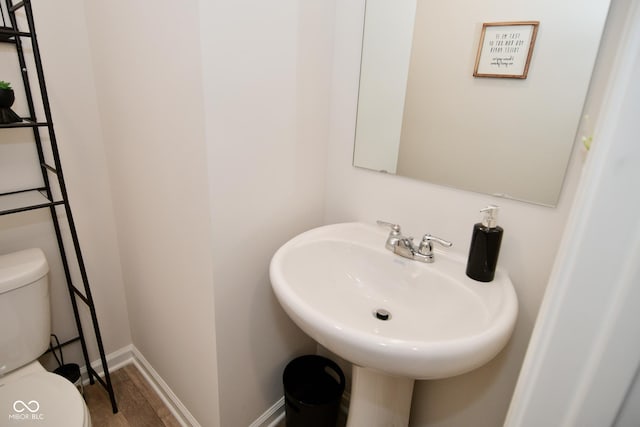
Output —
(23, 411)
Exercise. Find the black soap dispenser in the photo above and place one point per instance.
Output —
(485, 246)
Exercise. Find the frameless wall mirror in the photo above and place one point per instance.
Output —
(423, 114)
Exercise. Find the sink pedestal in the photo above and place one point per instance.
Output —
(378, 399)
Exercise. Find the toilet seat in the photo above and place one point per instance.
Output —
(43, 398)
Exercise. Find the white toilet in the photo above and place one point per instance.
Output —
(29, 395)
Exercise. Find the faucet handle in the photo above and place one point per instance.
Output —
(429, 238)
(426, 245)
(394, 237)
(395, 228)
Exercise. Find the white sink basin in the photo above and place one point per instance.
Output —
(331, 280)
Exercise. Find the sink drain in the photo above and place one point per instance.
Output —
(382, 314)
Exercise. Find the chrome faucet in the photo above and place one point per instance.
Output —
(405, 247)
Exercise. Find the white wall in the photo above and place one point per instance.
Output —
(531, 238)
(215, 155)
(146, 60)
(267, 70)
(71, 90)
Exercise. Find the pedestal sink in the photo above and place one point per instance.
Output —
(395, 319)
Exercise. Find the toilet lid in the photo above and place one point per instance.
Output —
(41, 399)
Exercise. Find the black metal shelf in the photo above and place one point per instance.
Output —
(25, 123)
(8, 35)
(26, 200)
(29, 199)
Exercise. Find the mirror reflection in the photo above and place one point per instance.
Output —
(423, 114)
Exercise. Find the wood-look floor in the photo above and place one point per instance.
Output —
(138, 404)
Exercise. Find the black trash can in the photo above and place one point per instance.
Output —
(313, 387)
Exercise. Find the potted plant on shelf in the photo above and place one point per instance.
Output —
(7, 97)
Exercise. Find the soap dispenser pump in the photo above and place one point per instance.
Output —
(485, 246)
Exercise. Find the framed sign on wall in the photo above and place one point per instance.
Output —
(505, 49)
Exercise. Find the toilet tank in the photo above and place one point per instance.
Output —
(25, 320)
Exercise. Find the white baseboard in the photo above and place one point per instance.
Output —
(131, 355)
(274, 415)
(115, 360)
(169, 398)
